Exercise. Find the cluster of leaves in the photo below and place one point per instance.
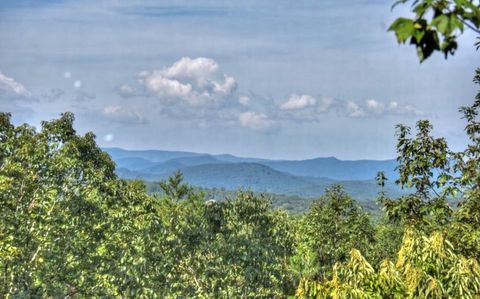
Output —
(436, 25)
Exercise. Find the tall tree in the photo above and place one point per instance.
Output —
(334, 225)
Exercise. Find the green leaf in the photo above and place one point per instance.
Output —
(403, 29)
(442, 24)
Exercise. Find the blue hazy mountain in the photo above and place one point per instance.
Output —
(157, 161)
(234, 159)
(133, 163)
(336, 169)
(307, 178)
(178, 163)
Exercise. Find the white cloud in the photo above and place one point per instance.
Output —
(192, 82)
(192, 68)
(375, 106)
(122, 115)
(162, 86)
(194, 89)
(391, 108)
(9, 85)
(305, 108)
(298, 102)
(255, 120)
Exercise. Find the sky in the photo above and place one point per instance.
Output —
(278, 79)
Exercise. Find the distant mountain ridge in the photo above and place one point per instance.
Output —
(307, 178)
(336, 169)
(329, 167)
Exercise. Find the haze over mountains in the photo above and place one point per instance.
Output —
(306, 178)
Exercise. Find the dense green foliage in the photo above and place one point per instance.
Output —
(293, 204)
(69, 227)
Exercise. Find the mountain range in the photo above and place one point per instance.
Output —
(306, 178)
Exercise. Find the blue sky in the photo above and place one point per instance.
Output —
(270, 78)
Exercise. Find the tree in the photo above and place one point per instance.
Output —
(253, 244)
(174, 186)
(465, 230)
(423, 164)
(334, 225)
(68, 225)
(436, 25)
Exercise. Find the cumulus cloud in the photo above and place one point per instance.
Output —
(305, 108)
(191, 88)
(255, 120)
(192, 82)
(391, 108)
(375, 106)
(298, 102)
(120, 114)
